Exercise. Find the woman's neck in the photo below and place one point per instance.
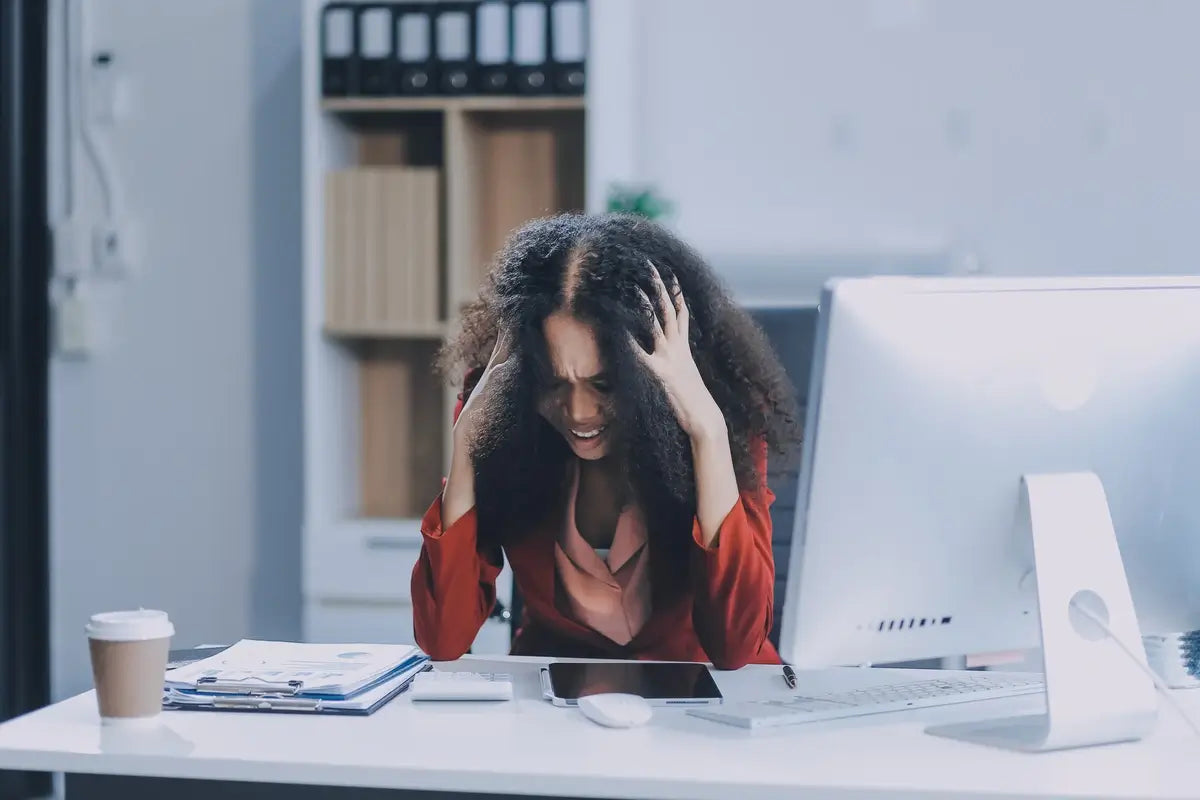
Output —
(604, 476)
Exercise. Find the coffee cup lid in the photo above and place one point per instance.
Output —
(130, 626)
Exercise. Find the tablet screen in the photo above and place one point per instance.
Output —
(680, 682)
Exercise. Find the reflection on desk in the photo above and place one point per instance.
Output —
(157, 740)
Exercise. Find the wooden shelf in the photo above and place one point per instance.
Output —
(406, 201)
(402, 425)
(412, 332)
(359, 105)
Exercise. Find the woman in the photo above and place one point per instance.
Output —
(611, 440)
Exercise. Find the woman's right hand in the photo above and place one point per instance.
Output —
(458, 495)
(467, 423)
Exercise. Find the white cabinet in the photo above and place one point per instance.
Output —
(336, 620)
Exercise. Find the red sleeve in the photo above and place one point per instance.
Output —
(733, 583)
(453, 583)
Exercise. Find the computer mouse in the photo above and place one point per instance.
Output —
(615, 710)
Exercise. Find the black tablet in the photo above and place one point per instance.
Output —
(659, 683)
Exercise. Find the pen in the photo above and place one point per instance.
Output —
(789, 676)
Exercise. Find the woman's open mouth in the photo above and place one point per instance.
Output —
(587, 440)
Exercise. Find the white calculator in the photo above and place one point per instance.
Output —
(444, 685)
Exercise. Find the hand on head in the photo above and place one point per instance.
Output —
(700, 367)
(671, 360)
(468, 419)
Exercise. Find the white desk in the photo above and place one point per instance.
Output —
(532, 748)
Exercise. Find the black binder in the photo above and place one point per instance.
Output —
(493, 46)
(568, 45)
(339, 50)
(531, 46)
(376, 46)
(415, 70)
(454, 42)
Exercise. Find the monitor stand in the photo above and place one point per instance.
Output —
(1095, 693)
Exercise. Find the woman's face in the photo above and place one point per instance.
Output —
(576, 402)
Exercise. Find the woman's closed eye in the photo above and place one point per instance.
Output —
(600, 383)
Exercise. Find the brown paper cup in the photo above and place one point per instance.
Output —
(129, 662)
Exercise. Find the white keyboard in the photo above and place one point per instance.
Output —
(445, 685)
(872, 700)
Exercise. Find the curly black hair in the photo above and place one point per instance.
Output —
(594, 267)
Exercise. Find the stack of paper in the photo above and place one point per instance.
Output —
(1175, 657)
(285, 676)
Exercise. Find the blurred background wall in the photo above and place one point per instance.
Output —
(794, 139)
(175, 447)
(1035, 136)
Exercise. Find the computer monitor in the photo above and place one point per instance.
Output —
(931, 401)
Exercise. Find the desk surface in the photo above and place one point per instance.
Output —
(532, 748)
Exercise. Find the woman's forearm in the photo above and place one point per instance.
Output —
(716, 482)
(458, 495)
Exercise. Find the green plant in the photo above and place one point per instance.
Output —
(641, 200)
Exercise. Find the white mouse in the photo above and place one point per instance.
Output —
(615, 710)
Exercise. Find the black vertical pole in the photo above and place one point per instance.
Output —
(24, 361)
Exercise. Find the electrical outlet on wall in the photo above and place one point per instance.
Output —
(73, 324)
(111, 250)
(70, 256)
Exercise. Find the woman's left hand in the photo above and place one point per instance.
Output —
(673, 364)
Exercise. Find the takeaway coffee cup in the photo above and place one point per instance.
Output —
(129, 661)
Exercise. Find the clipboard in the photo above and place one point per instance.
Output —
(285, 698)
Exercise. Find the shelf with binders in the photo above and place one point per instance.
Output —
(407, 201)
(417, 202)
(415, 205)
(376, 418)
(422, 52)
(509, 167)
(368, 105)
(383, 216)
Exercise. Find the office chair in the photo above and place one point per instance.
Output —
(791, 330)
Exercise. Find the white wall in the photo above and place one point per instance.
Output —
(1050, 136)
(175, 448)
